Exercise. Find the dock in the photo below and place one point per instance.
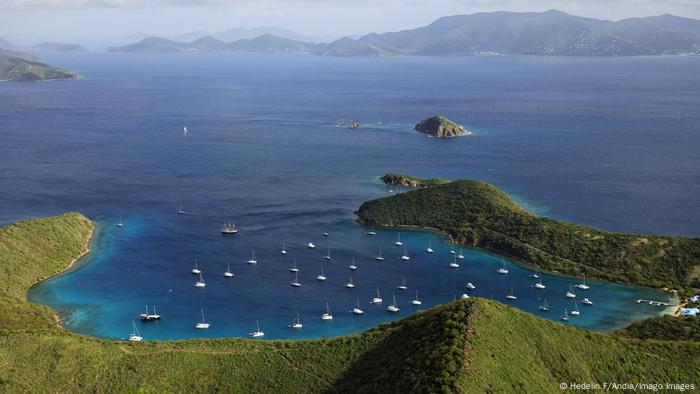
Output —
(655, 303)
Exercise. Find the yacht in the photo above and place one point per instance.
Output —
(321, 277)
(228, 272)
(252, 259)
(582, 286)
(350, 285)
(377, 299)
(535, 274)
(402, 285)
(328, 254)
(371, 231)
(393, 307)
(405, 256)
(294, 267)
(452, 251)
(543, 306)
(295, 282)
(180, 211)
(352, 266)
(575, 311)
(120, 224)
(416, 301)
(296, 323)
(586, 301)
(229, 229)
(565, 316)
(196, 270)
(200, 282)
(460, 255)
(311, 245)
(470, 286)
(325, 232)
(429, 249)
(570, 293)
(464, 296)
(510, 295)
(257, 333)
(454, 264)
(135, 336)
(379, 258)
(203, 323)
(284, 248)
(150, 317)
(540, 285)
(356, 310)
(503, 270)
(327, 315)
(398, 242)
(184, 130)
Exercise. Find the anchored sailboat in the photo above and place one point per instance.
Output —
(294, 266)
(321, 277)
(398, 242)
(229, 228)
(257, 333)
(356, 310)
(135, 336)
(405, 256)
(503, 270)
(429, 249)
(203, 324)
(511, 295)
(393, 307)
(543, 306)
(402, 285)
(200, 281)
(296, 323)
(252, 259)
(377, 299)
(327, 315)
(416, 301)
(570, 293)
(583, 285)
(195, 269)
(150, 316)
(352, 266)
(379, 258)
(295, 282)
(350, 285)
(228, 272)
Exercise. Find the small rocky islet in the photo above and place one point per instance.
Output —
(441, 127)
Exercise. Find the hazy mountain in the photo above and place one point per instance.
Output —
(271, 44)
(5, 44)
(264, 43)
(55, 46)
(23, 67)
(547, 33)
(191, 36)
(240, 33)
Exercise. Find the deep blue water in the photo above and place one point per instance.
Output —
(606, 142)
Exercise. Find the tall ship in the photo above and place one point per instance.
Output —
(229, 228)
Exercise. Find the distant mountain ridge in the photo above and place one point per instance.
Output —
(60, 47)
(494, 33)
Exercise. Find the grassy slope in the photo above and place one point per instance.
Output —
(665, 327)
(464, 346)
(478, 214)
(23, 68)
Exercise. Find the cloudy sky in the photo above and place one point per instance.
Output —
(109, 20)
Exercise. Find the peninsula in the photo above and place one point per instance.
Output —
(480, 215)
(449, 348)
(441, 127)
(23, 67)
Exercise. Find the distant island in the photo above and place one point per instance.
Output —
(451, 348)
(23, 67)
(59, 47)
(550, 33)
(478, 214)
(441, 127)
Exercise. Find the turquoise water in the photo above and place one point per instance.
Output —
(604, 142)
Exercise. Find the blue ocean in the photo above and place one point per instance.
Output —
(606, 142)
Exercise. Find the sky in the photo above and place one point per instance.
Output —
(97, 22)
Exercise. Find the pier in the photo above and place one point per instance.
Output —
(652, 302)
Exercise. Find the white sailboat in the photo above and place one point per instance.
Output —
(380, 257)
(454, 264)
(295, 282)
(184, 130)
(583, 285)
(327, 314)
(252, 259)
(120, 224)
(565, 316)
(535, 274)
(325, 232)
(452, 251)
(586, 301)
(321, 277)
(429, 249)
(228, 272)
(311, 245)
(328, 254)
(398, 242)
(352, 266)
(200, 282)
(575, 311)
(402, 285)
(356, 310)
(503, 270)
(405, 256)
(543, 306)
(296, 323)
(257, 333)
(464, 296)
(294, 267)
(195, 269)
(180, 211)
(470, 286)
(135, 336)
(371, 231)
(203, 324)
(150, 316)
(284, 248)
(350, 285)
(460, 255)
(511, 295)
(540, 285)
(393, 307)
(377, 299)
(570, 293)
(416, 301)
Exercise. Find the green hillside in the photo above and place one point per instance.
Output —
(475, 345)
(20, 67)
(477, 214)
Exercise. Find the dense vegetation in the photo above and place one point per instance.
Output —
(475, 345)
(477, 214)
(394, 178)
(665, 327)
(16, 66)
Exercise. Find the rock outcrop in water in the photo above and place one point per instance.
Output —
(441, 127)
